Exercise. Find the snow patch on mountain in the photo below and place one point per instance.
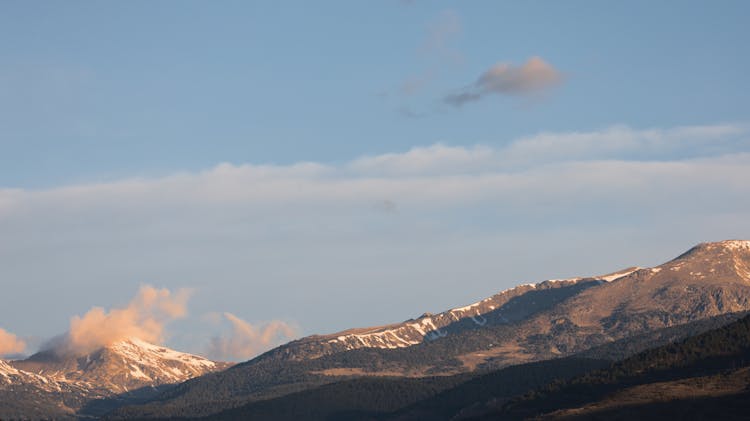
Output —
(120, 367)
(617, 275)
(181, 365)
(736, 244)
(11, 376)
(6, 370)
(517, 304)
(434, 326)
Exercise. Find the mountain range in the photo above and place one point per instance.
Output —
(58, 384)
(706, 376)
(576, 324)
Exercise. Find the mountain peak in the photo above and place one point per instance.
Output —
(124, 365)
(147, 354)
(742, 245)
(716, 249)
(525, 323)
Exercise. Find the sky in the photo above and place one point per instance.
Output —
(221, 177)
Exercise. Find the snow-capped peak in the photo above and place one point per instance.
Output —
(122, 366)
(177, 364)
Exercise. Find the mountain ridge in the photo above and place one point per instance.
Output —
(433, 326)
(430, 326)
(524, 324)
(527, 323)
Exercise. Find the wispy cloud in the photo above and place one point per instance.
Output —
(434, 159)
(247, 340)
(370, 177)
(438, 51)
(533, 77)
(10, 343)
(614, 143)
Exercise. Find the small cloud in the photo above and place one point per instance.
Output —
(435, 159)
(248, 340)
(10, 343)
(533, 77)
(144, 317)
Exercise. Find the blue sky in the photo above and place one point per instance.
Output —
(285, 160)
(94, 91)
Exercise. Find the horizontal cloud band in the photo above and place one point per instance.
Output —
(277, 239)
(619, 155)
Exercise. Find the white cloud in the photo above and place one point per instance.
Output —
(615, 143)
(624, 143)
(437, 173)
(433, 159)
(423, 176)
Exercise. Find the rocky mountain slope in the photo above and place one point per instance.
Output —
(528, 323)
(31, 396)
(693, 377)
(62, 385)
(506, 307)
(708, 280)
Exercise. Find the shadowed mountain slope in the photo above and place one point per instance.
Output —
(711, 369)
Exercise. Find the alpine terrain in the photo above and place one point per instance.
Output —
(54, 384)
(610, 316)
